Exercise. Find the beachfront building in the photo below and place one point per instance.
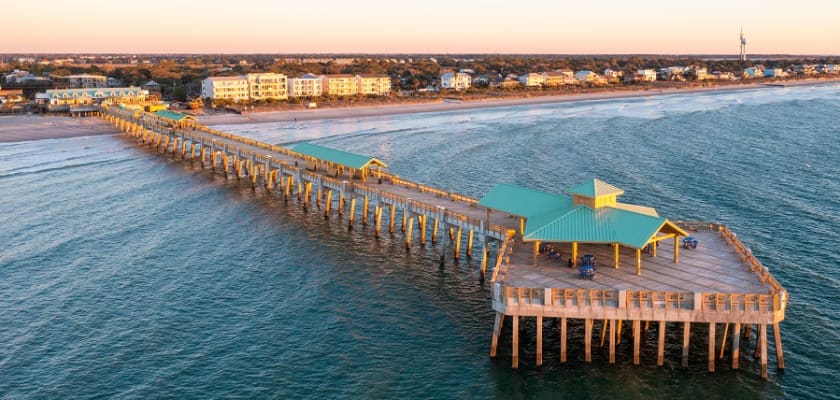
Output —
(83, 81)
(559, 77)
(373, 84)
(455, 80)
(532, 79)
(613, 75)
(225, 88)
(85, 100)
(697, 73)
(723, 75)
(590, 77)
(774, 73)
(646, 75)
(339, 84)
(753, 72)
(308, 85)
(267, 86)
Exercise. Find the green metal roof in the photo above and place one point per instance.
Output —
(603, 225)
(555, 218)
(171, 115)
(522, 201)
(594, 188)
(345, 158)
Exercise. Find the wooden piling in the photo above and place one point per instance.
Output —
(365, 206)
(497, 331)
(422, 224)
(563, 339)
(723, 341)
(408, 232)
(613, 335)
(378, 220)
(762, 328)
(435, 230)
(458, 244)
(393, 210)
(660, 349)
(470, 244)
(780, 354)
(736, 345)
(587, 339)
(539, 340)
(328, 203)
(712, 341)
(352, 213)
(604, 324)
(515, 341)
(636, 339)
(686, 337)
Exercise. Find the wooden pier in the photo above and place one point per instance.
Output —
(719, 283)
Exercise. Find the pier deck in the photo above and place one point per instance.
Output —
(720, 282)
(713, 267)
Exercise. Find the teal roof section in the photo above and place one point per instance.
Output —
(595, 188)
(603, 225)
(171, 115)
(340, 157)
(522, 201)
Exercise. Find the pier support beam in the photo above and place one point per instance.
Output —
(327, 203)
(587, 339)
(435, 224)
(613, 336)
(377, 216)
(393, 210)
(616, 248)
(365, 209)
(352, 213)
(539, 340)
(712, 341)
(408, 232)
(515, 340)
(736, 345)
(686, 337)
(637, 333)
(458, 244)
(780, 354)
(470, 244)
(763, 344)
(497, 332)
(422, 224)
(660, 349)
(562, 338)
(723, 341)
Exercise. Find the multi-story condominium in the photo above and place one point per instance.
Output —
(85, 81)
(225, 87)
(532, 79)
(339, 84)
(379, 85)
(267, 86)
(558, 77)
(455, 80)
(68, 99)
(308, 85)
(646, 75)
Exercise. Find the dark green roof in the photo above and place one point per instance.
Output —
(522, 201)
(345, 158)
(171, 115)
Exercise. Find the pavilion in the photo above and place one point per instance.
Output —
(337, 162)
(591, 214)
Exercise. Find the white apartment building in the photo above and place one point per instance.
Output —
(339, 84)
(379, 85)
(646, 75)
(308, 85)
(532, 79)
(225, 87)
(86, 81)
(267, 86)
(455, 80)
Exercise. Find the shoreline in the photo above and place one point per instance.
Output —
(22, 128)
(442, 105)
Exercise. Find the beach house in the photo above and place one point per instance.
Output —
(373, 84)
(339, 84)
(225, 88)
(308, 85)
(532, 79)
(266, 86)
(455, 80)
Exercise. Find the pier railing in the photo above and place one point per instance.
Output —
(645, 304)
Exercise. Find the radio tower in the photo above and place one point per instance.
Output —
(743, 56)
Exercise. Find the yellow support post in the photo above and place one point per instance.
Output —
(408, 232)
(391, 221)
(352, 211)
(435, 230)
(458, 244)
(616, 249)
(638, 261)
(328, 203)
(574, 254)
(365, 210)
(377, 215)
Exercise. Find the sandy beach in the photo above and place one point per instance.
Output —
(18, 128)
(441, 105)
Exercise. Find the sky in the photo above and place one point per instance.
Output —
(430, 26)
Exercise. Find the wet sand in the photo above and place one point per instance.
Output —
(18, 128)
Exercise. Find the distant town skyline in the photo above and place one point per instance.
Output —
(434, 26)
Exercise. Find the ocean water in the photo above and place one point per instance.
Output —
(125, 274)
